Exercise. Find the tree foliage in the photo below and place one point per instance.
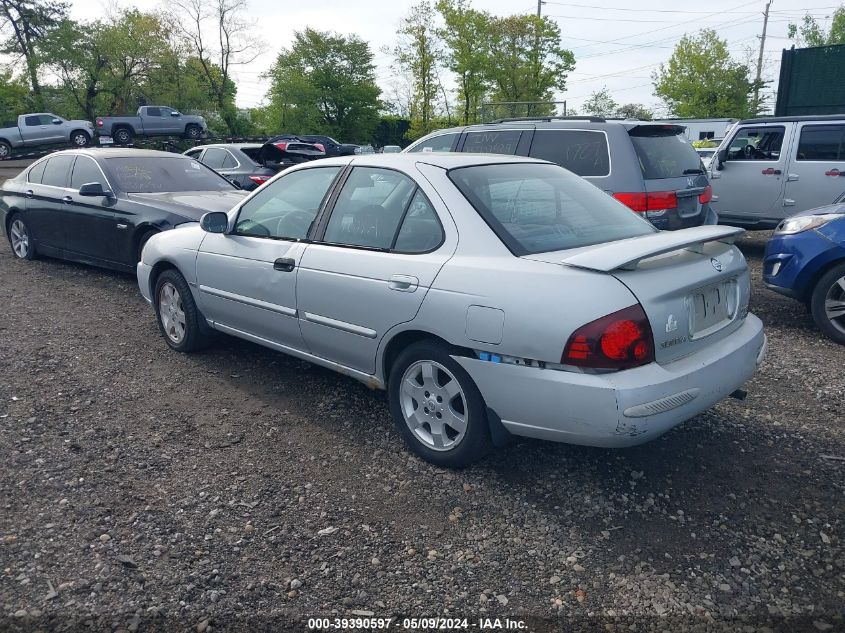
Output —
(701, 80)
(324, 83)
(811, 33)
(600, 103)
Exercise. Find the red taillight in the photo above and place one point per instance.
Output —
(259, 180)
(282, 145)
(99, 123)
(706, 196)
(651, 201)
(617, 341)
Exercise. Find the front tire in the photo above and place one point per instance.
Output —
(80, 138)
(827, 303)
(437, 407)
(179, 319)
(20, 238)
(193, 132)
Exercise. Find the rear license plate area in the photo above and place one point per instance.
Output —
(713, 307)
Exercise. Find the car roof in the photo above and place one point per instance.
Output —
(787, 119)
(226, 146)
(446, 160)
(119, 152)
(552, 123)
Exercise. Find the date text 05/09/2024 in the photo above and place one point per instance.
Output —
(416, 624)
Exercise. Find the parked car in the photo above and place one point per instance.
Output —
(101, 206)
(239, 162)
(286, 150)
(150, 121)
(769, 168)
(805, 260)
(391, 149)
(43, 128)
(331, 146)
(409, 273)
(650, 167)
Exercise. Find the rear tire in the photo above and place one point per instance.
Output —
(827, 303)
(179, 320)
(437, 407)
(80, 138)
(193, 131)
(5, 150)
(20, 238)
(123, 136)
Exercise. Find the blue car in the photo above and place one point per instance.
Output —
(805, 260)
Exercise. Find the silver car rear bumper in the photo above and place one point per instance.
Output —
(623, 408)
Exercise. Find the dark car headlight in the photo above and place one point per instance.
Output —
(802, 223)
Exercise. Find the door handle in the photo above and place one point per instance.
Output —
(284, 264)
(792, 177)
(67, 199)
(29, 193)
(403, 283)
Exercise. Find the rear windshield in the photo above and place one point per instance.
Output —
(148, 174)
(252, 152)
(664, 153)
(537, 208)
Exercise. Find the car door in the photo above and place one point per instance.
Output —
(151, 120)
(247, 278)
(375, 257)
(749, 184)
(89, 223)
(44, 201)
(38, 129)
(816, 174)
(169, 122)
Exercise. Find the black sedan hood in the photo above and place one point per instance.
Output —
(191, 204)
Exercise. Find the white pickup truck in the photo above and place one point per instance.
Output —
(150, 121)
(43, 128)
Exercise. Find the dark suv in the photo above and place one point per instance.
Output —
(650, 167)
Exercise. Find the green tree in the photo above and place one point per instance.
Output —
(811, 33)
(600, 103)
(702, 81)
(528, 60)
(635, 111)
(24, 24)
(14, 96)
(325, 83)
(418, 54)
(467, 38)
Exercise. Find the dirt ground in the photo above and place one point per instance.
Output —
(239, 489)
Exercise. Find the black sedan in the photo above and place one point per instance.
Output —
(100, 206)
(239, 162)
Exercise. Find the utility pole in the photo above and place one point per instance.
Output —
(539, 7)
(760, 58)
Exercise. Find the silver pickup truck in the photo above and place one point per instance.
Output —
(149, 121)
(43, 128)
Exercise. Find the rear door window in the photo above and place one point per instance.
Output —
(36, 172)
(56, 172)
(664, 153)
(229, 161)
(214, 157)
(821, 143)
(583, 152)
(492, 142)
(153, 111)
(757, 143)
(441, 143)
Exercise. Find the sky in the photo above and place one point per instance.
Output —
(617, 44)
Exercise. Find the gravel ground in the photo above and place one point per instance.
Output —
(238, 488)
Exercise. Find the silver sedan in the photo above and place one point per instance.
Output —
(490, 295)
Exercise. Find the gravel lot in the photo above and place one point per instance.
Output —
(240, 489)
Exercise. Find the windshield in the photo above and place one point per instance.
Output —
(159, 174)
(537, 208)
(664, 153)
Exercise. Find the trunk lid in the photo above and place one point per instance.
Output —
(693, 285)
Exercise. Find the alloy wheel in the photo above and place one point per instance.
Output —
(4, 150)
(834, 304)
(171, 312)
(434, 405)
(20, 238)
(80, 140)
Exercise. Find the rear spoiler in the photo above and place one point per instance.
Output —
(627, 254)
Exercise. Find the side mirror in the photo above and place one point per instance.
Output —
(214, 222)
(94, 190)
(175, 114)
(721, 158)
(57, 121)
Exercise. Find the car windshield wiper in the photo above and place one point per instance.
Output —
(693, 171)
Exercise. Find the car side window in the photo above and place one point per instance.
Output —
(369, 208)
(421, 231)
(32, 121)
(85, 171)
(56, 171)
(583, 152)
(821, 142)
(35, 174)
(286, 208)
(229, 161)
(757, 143)
(214, 157)
(153, 111)
(441, 143)
(194, 153)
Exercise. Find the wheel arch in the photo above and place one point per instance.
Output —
(158, 268)
(398, 341)
(817, 274)
(79, 129)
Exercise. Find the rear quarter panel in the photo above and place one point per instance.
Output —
(12, 135)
